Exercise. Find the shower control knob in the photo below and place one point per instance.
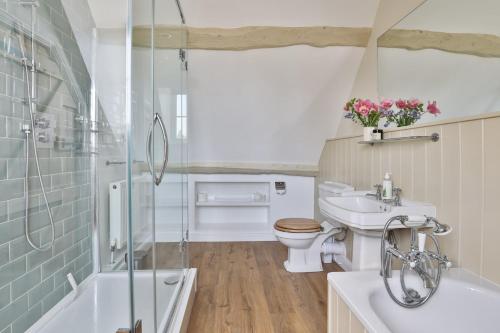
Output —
(413, 264)
(44, 138)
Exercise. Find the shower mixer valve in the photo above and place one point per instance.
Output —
(44, 130)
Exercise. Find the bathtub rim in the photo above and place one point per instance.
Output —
(349, 292)
(181, 306)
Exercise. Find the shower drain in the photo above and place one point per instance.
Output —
(171, 280)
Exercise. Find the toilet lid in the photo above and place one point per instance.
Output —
(297, 225)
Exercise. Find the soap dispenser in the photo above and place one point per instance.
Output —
(387, 187)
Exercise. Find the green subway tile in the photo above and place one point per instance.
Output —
(60, 276)
(62, 212)
(36, 294)
(13, 311)
(26, 282)
(4, 254)
(80, 233)
(71, 194)
(37, 258)
(3, 84)
(54, 198)
(17, 207)
(71, 224)
(24, 322)
(11, 148)
(51, 266)
(81, 206)
(87, 270)
(83, 260)
(72, 253)
(11, 189)
(12, 271)
(16, 168)
(3, 127)
(14, 126)
(63, 243)
(3, 169)
(3, 211)
(4, 296)
(51, 299)
(11, 230)
(19, 247)
(61, 180)
(5, 103)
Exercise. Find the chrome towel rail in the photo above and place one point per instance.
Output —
(434, 137)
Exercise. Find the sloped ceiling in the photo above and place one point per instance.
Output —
(276, 105)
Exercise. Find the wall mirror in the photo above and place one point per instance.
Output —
(444, 50)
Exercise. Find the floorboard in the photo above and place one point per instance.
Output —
(243, 287)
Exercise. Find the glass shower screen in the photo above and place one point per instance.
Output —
(156, 137)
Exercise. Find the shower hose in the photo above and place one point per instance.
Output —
(27, 131)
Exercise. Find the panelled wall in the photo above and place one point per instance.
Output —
(340, 317)
(459, 174)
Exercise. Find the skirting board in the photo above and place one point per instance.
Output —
(231, 237)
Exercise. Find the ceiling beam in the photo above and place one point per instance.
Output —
(481, 45)
(247, 38)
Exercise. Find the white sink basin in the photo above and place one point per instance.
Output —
(366, 213)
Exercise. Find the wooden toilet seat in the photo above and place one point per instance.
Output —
(297, 225)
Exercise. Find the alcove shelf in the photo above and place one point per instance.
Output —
(434, 137)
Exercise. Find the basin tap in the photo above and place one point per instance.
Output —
(377, 194)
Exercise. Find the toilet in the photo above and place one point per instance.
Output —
(304, 237)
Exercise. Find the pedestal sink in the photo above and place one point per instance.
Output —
(366, 217)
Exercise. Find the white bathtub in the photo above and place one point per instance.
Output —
(463, 303)
(102, 304)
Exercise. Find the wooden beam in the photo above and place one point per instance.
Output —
(481, 45)
(247, 38)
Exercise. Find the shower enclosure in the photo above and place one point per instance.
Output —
(93, 147)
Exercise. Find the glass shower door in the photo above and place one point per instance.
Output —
(156, 116)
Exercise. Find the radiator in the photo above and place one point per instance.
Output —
(118, 214)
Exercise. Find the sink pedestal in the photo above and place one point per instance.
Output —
(365, 250)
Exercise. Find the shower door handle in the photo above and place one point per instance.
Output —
(157, 120)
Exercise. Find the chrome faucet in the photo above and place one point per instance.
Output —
(377, 194)
(396, 199)
(417, 259)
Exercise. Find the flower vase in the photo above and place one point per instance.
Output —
(368, 133)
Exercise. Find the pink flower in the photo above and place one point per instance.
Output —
(386, 103)
(413, 103)
(401, 104)
(432, 108)
(365, 106)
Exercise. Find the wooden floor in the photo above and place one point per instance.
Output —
(243, 287)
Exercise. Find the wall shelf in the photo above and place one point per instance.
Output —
(434, 137)
(232, 204)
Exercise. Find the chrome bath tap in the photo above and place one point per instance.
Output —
(417, 259)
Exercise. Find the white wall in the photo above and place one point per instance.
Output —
(463, 85)
(389, 12)
(266, 106)
(269, 105)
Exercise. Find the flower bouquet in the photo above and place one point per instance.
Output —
(406, 112)
(363, 112)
